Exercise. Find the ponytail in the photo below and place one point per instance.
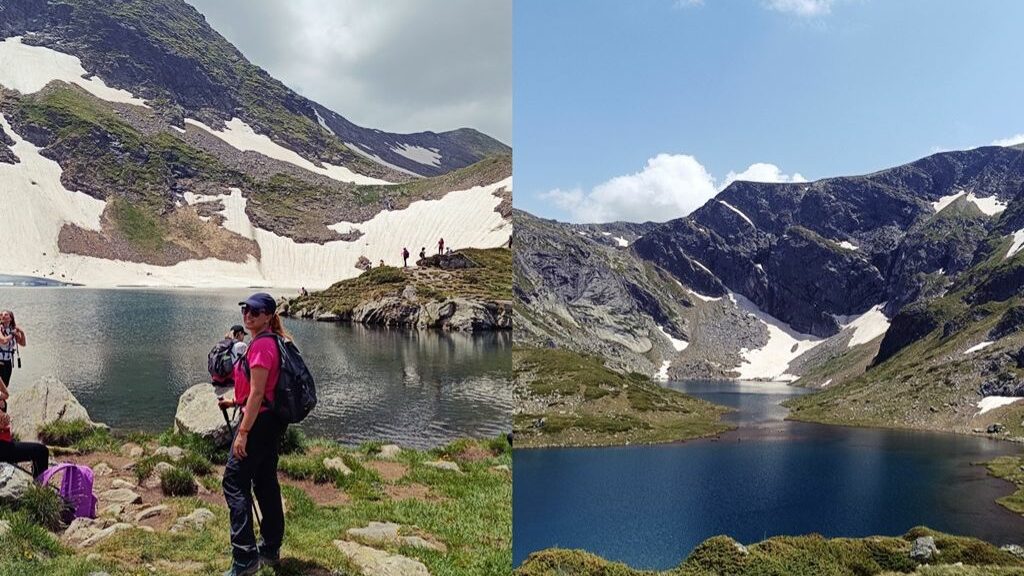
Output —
(278, 328)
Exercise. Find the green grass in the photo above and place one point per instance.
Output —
(1011, 469)
(810, 555)
(470, 512)
(574, 399)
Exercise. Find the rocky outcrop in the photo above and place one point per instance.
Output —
(373, 562)
(198, 414)
(44, 402)
(13, 483)
(1011, 322)
(456, 314)
(907, 327)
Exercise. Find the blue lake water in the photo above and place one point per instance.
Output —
(128, 354)
(649, 506)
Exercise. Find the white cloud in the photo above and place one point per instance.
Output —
(399, 66)
(762, 172)
(669, 186)
(688, 3)
(1011, 141)
(803, 8)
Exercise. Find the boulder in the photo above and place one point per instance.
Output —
(5, 527)
(389, 452)
(924, 549)
(337, 464)
(384, 533)
(996, 428)
(132, 450)
(1014, 549)
(444, 465)
(150, 512)
(102, 469)
(13, 483)
(104, 534)
(41, 403)
(198, 414)
(373, 562)
(120, 496)
(196, 520)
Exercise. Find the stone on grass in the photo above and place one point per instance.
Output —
(384, 533)
(120, 496)
(104, 534)
(1014, 549)
(389, 452)
(196, 520)
(122, 483)
(444, 465)
(102, 469)
(150, 512)
(132, 450)
(175, 453)
(373, 562)
(198, 414)
(337, 464)
(924, 549)
(13, 483)
(5, 527)
(44, 402)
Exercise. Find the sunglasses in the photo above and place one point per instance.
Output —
(252, 311)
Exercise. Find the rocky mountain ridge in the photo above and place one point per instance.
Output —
(801, 282)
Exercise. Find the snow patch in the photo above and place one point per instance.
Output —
(179, 130)
(784, 345)
(992, 402)
(662, 374)
(241, 136)
(1018, 243)
(323, 123)
(606, 233)
(705, 268)
(990, 205)
(28, 68)
(736, 210)
(622, 241)
(33, 189)
(866, 326)
(848, 245)
(978, 347)
(425, 156)
(679, 345)
(827, 382)
(697, 295)
(365, 154)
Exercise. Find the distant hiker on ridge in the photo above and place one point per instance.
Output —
(381, 263)
(405, 257)
(303, 291)
(423, 253)
(440, 246)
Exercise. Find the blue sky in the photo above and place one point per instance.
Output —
(641, 110)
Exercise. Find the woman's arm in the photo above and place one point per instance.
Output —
(19, 336)
(4, 394)
(257, 387)
(5, 338)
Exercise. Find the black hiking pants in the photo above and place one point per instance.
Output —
(6, 369)
(256, 474)
(15, 452)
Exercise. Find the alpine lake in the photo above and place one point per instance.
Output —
(649, 506)
(127, 355)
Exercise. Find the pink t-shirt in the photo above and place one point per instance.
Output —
(262, 353)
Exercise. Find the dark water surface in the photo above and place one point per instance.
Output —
(128, 354)
(650, 506)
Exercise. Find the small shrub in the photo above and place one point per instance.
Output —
(44, 506)
(499, 445)
(371, 448)
(196, 464)
(64, 432)
(293, 441)
(178, 482)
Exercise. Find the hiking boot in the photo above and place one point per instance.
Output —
(271, 558)
(244, 569)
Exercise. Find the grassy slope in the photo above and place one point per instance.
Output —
(582, 403)
(799, 556)
(1011, 469)
(470, 512)
(489, 281)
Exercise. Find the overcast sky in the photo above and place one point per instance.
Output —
(400, 65)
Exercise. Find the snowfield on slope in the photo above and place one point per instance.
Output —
(784, 344)
(32, 189)
(28, 69)
(990, 205)
(242, 137)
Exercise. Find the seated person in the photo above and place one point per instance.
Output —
(15, 452)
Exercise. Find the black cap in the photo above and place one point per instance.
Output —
(238, 328)
(261, 301)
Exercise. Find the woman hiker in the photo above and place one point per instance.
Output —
(14, 452)
(252, 463)
(10, 338)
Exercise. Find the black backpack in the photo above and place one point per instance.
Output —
(219, 362)
(295, 394)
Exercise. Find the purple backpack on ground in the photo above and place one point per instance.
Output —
(75, 487)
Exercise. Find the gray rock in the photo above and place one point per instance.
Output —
(132, 450)
(44, 402)
(376, 533)
(175, 453)
(996, 428)
(194, 521)
(120, 496)
(198, 414)
(444, 465)
(122, 483)
(160, 467)
(389, 452)
(104, 534)
(13, 482)
(150, 512)
(924, 549)
(5, 528)
(1014, 549)
(102, 469)
(337, 464)
(373, 562)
